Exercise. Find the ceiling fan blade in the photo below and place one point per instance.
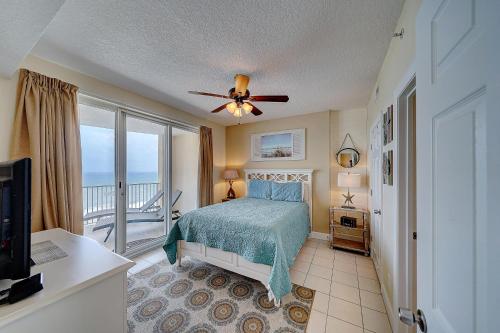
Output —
(276, 98)
(255, 110)
(220, 108)
(207, 94)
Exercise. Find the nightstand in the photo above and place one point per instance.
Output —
(355, 237)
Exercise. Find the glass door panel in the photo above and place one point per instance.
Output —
(130, 164)
(185, 145)
(145, 183)
(97, 136)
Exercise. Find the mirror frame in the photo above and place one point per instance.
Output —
(341, 150)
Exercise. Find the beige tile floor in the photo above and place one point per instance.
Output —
(147, 260)
(348, 298)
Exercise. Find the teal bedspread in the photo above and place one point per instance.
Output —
(262, 231)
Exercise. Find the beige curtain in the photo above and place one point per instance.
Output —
(206, 168)
(46, 128)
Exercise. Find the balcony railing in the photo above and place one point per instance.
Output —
(102, 197)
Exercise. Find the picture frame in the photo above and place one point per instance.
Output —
(387, 167)
(287, 145)
(388, 125)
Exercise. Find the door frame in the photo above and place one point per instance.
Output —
(401, 262)
(405, 203)
(378, 121)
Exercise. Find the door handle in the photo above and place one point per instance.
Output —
(407, 317)
(377, 211)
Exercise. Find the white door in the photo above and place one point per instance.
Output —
(458, 164)
(376, 191)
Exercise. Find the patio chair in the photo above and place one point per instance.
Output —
(107, 212)
(139, 216)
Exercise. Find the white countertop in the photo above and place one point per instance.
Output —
(87, 263)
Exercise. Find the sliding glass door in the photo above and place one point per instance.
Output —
(97, 136)
(140, 174)
(146, 157)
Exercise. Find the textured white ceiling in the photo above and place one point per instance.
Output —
(22, 22)
(323, 54)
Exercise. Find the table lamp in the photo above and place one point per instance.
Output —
(230, 175)
(348, 180)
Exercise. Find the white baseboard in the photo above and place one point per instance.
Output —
(388, 304)
(319, 235)
(390, 311)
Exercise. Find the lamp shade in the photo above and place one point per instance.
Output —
(231, 174)
(349, 180)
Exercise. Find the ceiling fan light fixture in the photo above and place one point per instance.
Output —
(231, 107)
(247, 108)
(240, 94)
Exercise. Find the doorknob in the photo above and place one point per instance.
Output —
(377, 211)
(407, 317)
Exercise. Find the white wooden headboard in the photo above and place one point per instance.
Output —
(286, 175)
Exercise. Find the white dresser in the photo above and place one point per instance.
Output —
(83, 292)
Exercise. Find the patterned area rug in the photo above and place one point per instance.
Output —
(199, 297)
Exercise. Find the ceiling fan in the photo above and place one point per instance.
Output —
(242, 98)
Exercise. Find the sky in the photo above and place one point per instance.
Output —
(276, 140)
(98, 147)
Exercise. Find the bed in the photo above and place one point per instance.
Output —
(257, 238)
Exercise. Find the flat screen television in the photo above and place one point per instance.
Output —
(15, 219)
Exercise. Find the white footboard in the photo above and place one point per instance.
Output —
(227, 260)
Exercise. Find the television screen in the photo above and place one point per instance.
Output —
(15, 219)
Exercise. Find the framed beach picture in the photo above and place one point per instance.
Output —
(387, 167)
(288, 145)
(388, 125)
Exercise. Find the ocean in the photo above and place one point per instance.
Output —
(108, 178)
(99, 190)
(280, 151)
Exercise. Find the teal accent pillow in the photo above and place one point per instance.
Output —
(260, 189)
(291, 191)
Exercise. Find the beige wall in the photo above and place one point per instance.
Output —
(397, 64)
(7, 106)
(185, 147)
(324, 134)
(354, 123)
(107, 91)
(317, 127)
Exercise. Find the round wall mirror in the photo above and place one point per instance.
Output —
(347, 157)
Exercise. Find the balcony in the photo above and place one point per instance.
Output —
(99, 210)
(143, 156)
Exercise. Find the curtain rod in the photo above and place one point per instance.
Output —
(138, 110)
